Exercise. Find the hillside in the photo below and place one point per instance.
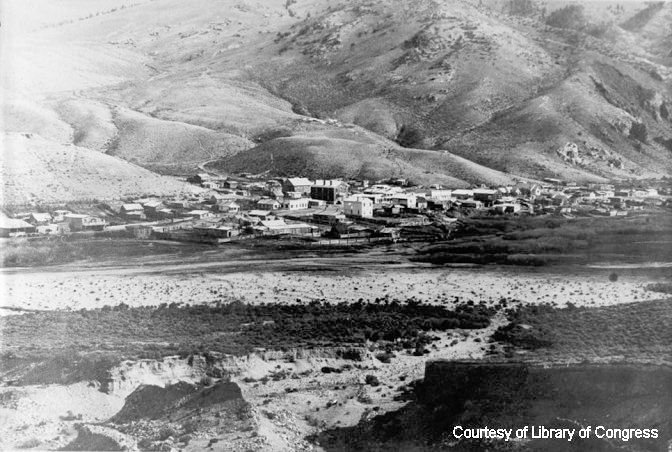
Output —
(37, 170)
(169, 85)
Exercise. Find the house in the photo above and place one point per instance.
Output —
(559, 199)
(279, 227)
(328, 217)
(486, 196)
(380, 193)
(268, 204)
(261, 214)
(39, 218)
(216, 231)
(152, 208)
(230, 184)
(294, 195)
(358, 206)
(165, 213)
(210, 184)
(408, 200)
(528, 190)
(297, 184)
(350, 231)
(471, 204)
(440, 195)
(200, 214)
(421, 202)
(328, 190)
(49, 229)
(505, 208)
(229, 206)
(140, 231)
(313, 203)
(59, 215)
(132, 211)
(462, 194)
(83, 222)
(295, 204)
(390, 233)
(178, 204)
(12, 227)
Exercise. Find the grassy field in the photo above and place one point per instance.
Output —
(545, 240)
(70, 344)
(35, 253)
(637, 332)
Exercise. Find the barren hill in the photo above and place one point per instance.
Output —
(170, 85)
(38, 170)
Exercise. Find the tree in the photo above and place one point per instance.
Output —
(571, 17)
(638, 131)
(522, 7)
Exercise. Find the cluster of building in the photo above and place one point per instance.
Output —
(246, 207)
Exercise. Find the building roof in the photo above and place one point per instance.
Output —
(13, 223)
(299, 181)
(198, 212)
(358, 199)
(258, 213)
(41, 216)
(274, 224)
(131, 206)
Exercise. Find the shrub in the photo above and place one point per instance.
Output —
(570, 17)
(372, 380)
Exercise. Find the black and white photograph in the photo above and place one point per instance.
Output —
(336, 225)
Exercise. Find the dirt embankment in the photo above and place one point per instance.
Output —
(512, 395)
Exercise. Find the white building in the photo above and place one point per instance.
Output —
(358, 206)
(295, 204)
(440, 195)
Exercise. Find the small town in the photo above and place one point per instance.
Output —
(329, 212)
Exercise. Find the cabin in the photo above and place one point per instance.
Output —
(462, 194)
(358, 206)
(279, 227)
(268, 204)
(229, 207)
(408, 200)
(295, 204)
(216, 231)
(132, 211)
(83, 222)
(328, 217)
(261, 214)
(12, 227)
(296, 184)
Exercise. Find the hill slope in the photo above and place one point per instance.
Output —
(37, 170)
(170, 85)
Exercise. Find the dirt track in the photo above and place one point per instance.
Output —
(227, 276)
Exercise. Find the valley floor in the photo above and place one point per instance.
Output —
(292, 398)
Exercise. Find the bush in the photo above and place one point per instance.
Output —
(638, 132)
(570, 17)
(372, 380)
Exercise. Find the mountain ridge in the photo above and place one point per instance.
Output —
(170, 85)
